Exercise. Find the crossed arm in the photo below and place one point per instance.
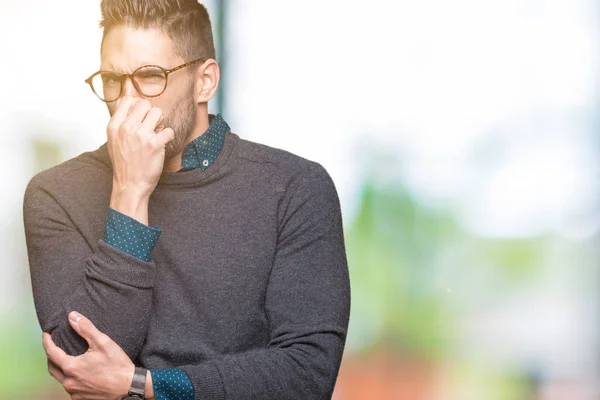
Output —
(307, 299)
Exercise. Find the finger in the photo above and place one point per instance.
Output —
(73, 387)
(55, 371)
(138, 113)
(87, 330)
(122, 111)
(153, 118)
(54, 353)
(165, 136)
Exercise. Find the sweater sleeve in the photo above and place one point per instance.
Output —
(307, 304)
(67, 274)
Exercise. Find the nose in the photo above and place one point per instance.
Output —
(128, 88)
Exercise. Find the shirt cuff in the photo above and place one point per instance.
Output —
(171, 384)
(129, 235)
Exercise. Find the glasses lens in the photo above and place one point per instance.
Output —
(107, 86)
(151, 81)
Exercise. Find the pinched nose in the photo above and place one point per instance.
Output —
(128, 88)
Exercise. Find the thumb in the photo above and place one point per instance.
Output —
(85, 328)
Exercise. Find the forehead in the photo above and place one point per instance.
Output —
(126, 48)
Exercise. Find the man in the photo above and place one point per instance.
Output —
(215, 262)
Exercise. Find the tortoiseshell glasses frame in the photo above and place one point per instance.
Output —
(156, 81)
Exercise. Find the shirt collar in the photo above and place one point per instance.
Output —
(204, 150)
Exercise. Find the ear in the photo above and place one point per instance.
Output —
(206, 81)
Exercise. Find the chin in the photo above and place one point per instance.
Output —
(170, 153)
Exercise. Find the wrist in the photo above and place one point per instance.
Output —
(127, 379)
(137, 386)
(131, 203)
(149, 390)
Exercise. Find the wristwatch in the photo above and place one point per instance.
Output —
(138, 384)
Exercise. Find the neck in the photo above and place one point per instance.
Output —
(201, 125)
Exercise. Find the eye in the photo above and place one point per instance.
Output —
(110, 78)
(149, 75)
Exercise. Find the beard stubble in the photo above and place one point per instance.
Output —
(182, 120)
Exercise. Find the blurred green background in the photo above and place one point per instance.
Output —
(463, 140)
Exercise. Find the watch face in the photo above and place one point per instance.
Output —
(131, 397)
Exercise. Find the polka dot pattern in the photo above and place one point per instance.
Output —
(129, 235)
(203, 151)
(171, 384)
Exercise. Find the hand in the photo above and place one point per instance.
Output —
(137, 152)
(103, 372)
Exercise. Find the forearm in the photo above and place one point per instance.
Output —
(304, 367)
(130, 202)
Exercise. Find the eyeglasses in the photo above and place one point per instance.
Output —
(148, 80)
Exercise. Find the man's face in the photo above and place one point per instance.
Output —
(125, 49)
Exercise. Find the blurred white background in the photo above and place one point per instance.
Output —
(485, 109)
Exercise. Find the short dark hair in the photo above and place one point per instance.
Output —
(186, 22)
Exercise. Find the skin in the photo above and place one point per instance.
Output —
(145, 137)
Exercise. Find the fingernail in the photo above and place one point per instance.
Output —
(75, 316)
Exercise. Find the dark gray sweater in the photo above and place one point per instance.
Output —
(248, 288)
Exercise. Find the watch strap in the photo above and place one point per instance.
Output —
(138, 384)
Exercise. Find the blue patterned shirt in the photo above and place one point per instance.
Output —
(138, 240)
